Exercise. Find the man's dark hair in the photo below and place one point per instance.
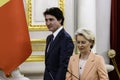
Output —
(55, 11)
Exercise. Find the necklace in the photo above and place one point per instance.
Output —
(81, 65)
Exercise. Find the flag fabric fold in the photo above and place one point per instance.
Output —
(15, 46)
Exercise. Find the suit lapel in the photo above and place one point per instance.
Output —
(56, 41)
(47, 44)
(89, 64)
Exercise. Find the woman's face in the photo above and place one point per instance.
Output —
(83, 44)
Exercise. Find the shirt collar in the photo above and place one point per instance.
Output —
(57, 31)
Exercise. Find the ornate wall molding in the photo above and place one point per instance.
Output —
(39, 25)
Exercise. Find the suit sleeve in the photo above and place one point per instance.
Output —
(66, 50)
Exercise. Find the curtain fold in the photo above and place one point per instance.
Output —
(114, 38)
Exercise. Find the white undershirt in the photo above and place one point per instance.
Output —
(81, 65)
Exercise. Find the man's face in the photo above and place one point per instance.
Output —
(52, 23)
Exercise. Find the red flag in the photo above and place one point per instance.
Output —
(15, 45)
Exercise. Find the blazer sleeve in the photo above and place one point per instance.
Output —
(102, 71)
(69, 71)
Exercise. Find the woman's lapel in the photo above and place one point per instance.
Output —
(89, 64)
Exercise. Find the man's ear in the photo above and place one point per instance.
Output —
(60, 21)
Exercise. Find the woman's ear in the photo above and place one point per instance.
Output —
(91, 43)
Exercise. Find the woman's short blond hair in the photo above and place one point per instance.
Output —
(87, 34)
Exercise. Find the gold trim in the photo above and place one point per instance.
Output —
(111, 55)
(3, 2)
(38, 41)
(29, 16)
(36, 58)
(38, 44)
(115, 66)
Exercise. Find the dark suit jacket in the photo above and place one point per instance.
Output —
(56, 59)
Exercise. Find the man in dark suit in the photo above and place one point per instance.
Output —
(59, 46)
